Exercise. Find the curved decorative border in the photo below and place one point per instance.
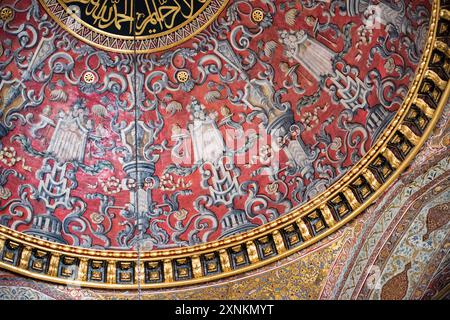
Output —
(142, 44)
(313, 221)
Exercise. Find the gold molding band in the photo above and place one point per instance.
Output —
(318, 218)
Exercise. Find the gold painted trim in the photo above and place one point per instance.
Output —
(328, 216)
(409, 134)
(306, 219)
(278, 240)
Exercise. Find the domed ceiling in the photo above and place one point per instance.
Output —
(160, 143)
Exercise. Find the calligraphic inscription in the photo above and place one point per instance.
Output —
(134, 25)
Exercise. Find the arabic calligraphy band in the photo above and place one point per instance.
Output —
(150, 16)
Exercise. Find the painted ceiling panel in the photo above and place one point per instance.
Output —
(207, 138)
